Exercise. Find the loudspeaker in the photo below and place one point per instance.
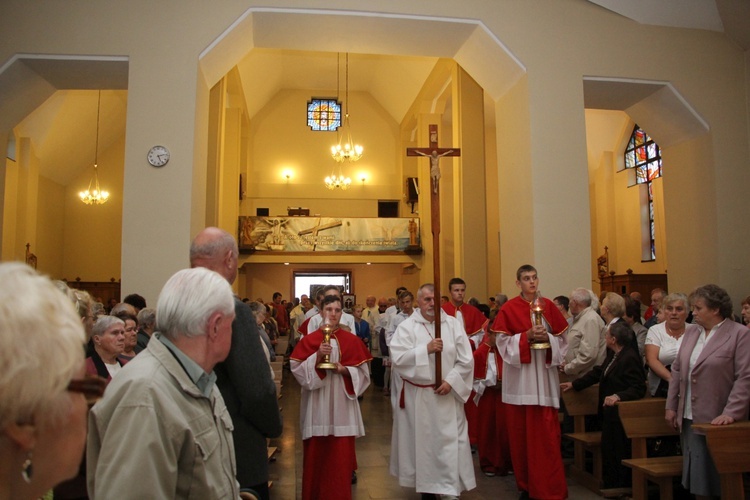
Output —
(261, 212)
(412, 190)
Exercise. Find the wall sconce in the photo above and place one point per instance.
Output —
(362, 178)
(287, 174)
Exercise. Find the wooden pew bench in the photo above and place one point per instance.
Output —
(579, 405)
(729, 446)
(644, 419)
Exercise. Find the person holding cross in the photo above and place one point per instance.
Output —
(430, 441)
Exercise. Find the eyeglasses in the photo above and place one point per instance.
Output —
(91, 386)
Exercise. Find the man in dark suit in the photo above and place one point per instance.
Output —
(244, 378)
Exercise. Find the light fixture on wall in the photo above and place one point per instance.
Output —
(346, 149)
(95, 196)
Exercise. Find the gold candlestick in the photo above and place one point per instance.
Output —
(326, 363)
(537, 311)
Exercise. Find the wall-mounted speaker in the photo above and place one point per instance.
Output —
(412, 190)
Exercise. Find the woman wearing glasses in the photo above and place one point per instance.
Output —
(42, 386)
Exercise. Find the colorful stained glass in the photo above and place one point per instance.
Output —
(323, 114)
(640, 175)
(644, 155)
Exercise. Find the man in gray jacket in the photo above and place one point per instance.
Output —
(586, 347)
(244, 378)
(162, 429)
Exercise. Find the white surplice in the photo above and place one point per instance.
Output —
(536, 383)
(430, 442)
(320, 395)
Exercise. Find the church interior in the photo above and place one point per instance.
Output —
(541, 110)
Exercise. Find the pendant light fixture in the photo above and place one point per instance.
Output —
(95, 196)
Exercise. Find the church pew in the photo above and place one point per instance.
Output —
(644, 419)
(728, 445)
(580, 404)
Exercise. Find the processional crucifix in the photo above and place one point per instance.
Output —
(434, 153)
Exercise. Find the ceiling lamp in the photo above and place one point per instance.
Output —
(95, 196)
(338, 182)
(346, 149)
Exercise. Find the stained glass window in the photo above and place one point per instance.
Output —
(323, 114)
(643, 158)
(643, 155)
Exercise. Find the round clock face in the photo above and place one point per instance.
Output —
(158, 156)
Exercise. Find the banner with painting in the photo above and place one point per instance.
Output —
(328, 234)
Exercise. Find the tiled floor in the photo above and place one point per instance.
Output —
(373, 451)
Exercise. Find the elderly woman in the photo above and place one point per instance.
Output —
(621, 378)
(131, 335)
(613, 311)
(42, 392)
(663, 341)
(260, 312)
(109, 341)
(710, 383)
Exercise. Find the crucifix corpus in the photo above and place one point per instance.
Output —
(434, 153)
(313, 231)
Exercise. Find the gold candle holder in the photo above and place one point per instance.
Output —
(326, 363)
(537, 312)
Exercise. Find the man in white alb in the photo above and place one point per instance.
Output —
(430, 443)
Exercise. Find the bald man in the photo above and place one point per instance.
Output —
(244, 378)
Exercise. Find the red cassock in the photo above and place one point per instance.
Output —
(493, 444)
(534, 430)
(474, 322)
(282, 316)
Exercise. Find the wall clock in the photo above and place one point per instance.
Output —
(158, 156)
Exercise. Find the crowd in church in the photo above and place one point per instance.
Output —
(178, 401)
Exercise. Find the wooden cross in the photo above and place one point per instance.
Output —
(313, 231)
(434, 153)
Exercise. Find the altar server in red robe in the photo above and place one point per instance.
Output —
(475, 323)
(329, 409)
(492, 431)
(531, 387)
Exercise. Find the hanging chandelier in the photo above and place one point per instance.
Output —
(95, 196)
(338, 182)
(346, 149)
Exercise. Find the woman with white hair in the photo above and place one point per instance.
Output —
(108, 337)
(42, 386)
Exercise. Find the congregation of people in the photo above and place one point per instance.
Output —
(120, 400)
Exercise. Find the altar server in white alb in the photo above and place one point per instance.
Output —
(430, 443)
(329, 409)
